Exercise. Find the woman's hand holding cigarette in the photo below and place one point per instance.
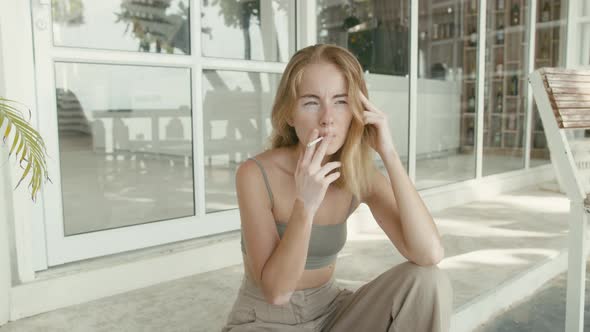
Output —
(311, 178)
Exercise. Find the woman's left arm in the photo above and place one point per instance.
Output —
(396, 204)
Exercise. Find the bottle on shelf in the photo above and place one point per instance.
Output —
(434, 31)
(514, 85)
(500, 34)
(497, 138)
(499, 105)
(471, 104)
(511, 122)
(544, 46)
(499, 62)
(473, 37)
(470, 136)
(515, 13)
(545, 12)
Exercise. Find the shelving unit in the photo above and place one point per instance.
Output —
(449, 38)
(505, 59)
(550, 38)
(504, 104)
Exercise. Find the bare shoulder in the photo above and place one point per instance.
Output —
(248, 173)
(271, 160)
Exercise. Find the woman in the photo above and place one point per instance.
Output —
(294, 201)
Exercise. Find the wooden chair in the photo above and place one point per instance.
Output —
(563, 100)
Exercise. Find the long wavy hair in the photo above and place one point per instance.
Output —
(356, 155)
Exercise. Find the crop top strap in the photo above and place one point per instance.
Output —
(266, 182)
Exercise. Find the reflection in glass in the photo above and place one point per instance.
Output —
(549, 52)
(446, 92)
(236, 125)
(579, 143)
(158, 26)
(249, 30)
(585, 43)
(376, 31)
(504, 106)
(125, 139)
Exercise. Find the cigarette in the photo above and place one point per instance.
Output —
(312, 143)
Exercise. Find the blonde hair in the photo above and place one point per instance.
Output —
(356, 155)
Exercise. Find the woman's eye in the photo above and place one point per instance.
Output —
(310, 103)
(341, 102)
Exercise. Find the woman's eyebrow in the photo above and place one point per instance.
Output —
(310, 96)
(316, 97)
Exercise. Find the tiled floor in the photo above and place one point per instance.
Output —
(542, 312)
(487, 243)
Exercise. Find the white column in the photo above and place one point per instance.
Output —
(572, 51)
(5, 216)
(576, 270)
(306, 23)
(413, 91)
(479, 90)
(19, 84)
(531, 32)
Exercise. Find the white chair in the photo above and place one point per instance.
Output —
(563, 100)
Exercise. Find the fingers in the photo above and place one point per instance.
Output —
(367, 104)
(371, 118)
(321, 152)
(309, 150)
(332, 177)
(327, 168)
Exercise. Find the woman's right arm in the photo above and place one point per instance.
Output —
(277, 264)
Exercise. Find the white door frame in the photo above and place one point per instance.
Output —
(62, 249)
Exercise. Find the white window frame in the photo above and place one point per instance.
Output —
(201, 224)
(60, 249)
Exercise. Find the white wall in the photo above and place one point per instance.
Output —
(5, 208)
(17, 69)
(438, 112)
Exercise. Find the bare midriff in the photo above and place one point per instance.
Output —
(309, 278)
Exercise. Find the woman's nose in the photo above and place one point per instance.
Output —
(327, 118)
(327, 122)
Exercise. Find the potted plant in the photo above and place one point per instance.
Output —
(25, 143)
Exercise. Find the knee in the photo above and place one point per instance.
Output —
(429, 279)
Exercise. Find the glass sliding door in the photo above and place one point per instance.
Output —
(145, 123)
(505, 77)
(125, 139)
(377, 33)
(446, 92)
(237, 126)
(549, 52)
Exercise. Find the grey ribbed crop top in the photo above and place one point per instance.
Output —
(325, 241)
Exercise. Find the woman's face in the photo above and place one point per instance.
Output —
(322, 104)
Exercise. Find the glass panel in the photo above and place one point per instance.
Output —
(585, 44)
(250, 30)
(377, 32)
(549, 52)
(236, 125)
(505, 73)
(125, 140)
(446, 92)
(579, 144)
(159, 26)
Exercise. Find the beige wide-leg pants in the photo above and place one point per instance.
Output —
(407, 297)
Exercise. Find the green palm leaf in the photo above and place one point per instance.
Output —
(28, 143)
